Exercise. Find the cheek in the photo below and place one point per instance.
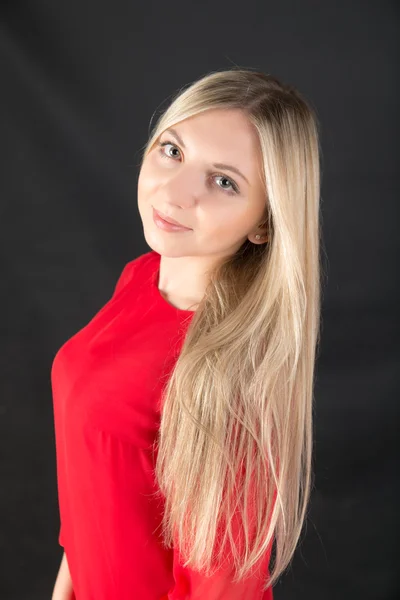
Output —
(225, 218)
(148, 176)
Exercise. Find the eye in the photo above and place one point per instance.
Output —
(162, 144)
(234, 187)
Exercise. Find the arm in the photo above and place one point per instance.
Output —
(63, 589)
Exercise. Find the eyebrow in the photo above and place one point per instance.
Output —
(216, 165)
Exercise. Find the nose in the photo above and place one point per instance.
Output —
(180, 187)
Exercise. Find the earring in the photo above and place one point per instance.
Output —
(258, 236)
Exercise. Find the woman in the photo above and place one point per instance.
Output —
(183, 410)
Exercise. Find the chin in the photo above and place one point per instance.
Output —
(157, 244)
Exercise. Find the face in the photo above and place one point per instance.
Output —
(179, 178)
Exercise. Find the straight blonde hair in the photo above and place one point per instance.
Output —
(235, 438)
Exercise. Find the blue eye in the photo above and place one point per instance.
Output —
(233, 185)
(166, 144)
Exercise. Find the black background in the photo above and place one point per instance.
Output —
(80, 82)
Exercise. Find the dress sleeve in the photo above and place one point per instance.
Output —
(60, 536)
(193, 585)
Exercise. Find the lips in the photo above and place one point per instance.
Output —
(168, 219)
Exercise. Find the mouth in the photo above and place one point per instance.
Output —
(161, 215)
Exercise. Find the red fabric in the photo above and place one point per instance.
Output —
(107, 381)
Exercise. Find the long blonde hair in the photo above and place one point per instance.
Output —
(235, 437)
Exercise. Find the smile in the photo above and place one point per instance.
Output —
(166, 225)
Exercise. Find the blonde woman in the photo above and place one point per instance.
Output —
(183, 410)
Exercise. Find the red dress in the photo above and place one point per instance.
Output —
(106, 383)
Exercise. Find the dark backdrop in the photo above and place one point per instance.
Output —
(80, 82)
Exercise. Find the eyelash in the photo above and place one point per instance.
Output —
(233, 184)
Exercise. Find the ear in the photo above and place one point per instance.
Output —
(260, 235)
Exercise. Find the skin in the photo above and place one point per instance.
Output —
(63, 589)
(181, 182)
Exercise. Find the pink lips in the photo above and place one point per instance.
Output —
(167, 225)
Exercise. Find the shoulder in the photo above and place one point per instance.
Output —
(135, 268)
